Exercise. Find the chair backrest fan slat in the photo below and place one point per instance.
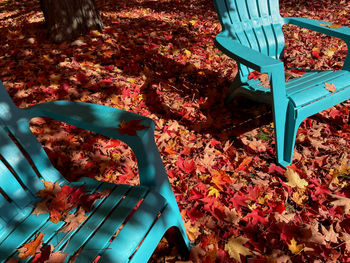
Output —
(256, 24)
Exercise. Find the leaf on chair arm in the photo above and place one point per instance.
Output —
(333, 25)
(330, 87)
(130, 127)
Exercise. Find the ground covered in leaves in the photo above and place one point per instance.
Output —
(157, 58)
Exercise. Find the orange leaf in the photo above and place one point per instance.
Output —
(334, 25)
(29, 249)
(130, 127)
(330, 87)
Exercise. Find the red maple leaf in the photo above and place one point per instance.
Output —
(255, 217)
(186, 166)
(254, 75)
(130, 127)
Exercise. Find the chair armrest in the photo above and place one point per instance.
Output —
(245, 55)
(315, 25)
(106, 121)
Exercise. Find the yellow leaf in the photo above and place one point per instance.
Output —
(330, 52)
(193, 22)
(213, 191)
(47, 57)
(96, 33)
(235, 247)
(188, 53)
(294, 180)
(294, 248)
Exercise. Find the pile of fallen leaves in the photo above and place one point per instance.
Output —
(157, 58)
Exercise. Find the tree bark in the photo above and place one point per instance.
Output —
(67, 19)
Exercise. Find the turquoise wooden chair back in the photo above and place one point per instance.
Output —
(142, 213)
(252, 35)
(23, 164)
(255, 24)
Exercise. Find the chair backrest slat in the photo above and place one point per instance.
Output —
(18, 167)
(254, 23)
(13, 189)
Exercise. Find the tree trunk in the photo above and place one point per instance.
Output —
(67, 19)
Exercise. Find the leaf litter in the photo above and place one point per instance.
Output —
(158, 59)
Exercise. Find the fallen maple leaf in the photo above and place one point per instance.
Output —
(294, 247)
(29, 249)
(342, 201)
(333, 25)
(214, 191)
(73, 221)
(330, 87)
(130, 127)
(235, 247)
(50, 189)
(294, 179)
(329, 235)
(40, 208)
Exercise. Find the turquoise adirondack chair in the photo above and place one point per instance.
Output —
(19, 184)
(252, 35)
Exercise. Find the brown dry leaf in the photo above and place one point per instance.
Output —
(329, 235)
(73, 220)
(30, 248)
(330, 87)
(264, 80)
(50, 189)
(41, 208)
(235, 247)
(316, 236)
(346, 239)
(196, 253)
(342, 201)
(294, 180)
(334, 25)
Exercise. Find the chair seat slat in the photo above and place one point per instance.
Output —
(95, 221)
(21, 234)
(137, 227)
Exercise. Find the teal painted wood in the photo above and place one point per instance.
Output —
(252, 35)
(19, 183)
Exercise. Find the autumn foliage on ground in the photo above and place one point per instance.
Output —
(157, 58)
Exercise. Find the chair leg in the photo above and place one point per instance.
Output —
(289, 132)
